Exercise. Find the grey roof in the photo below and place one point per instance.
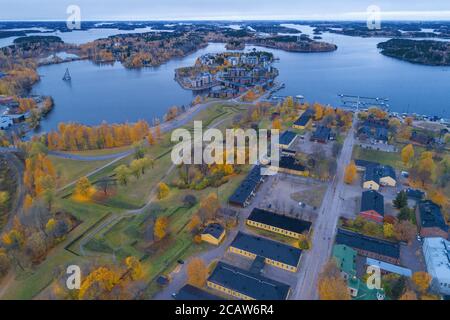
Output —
(372, 200)
(431, 216)
(322, 133)
(245, 189)
(214, 229)
(189, 292)
(363, 242)
(247, 283)
(279, 221)
(304, 118)
(287, 137)
(266, 248)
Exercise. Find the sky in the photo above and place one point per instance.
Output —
(224, 9)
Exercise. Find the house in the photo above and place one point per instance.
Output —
(286, 139)
(284, 225)
(372, 206)
(415, 194)
(246, 190)
(321, 135)
(376, 176)
(274, 253)
(437, 258)
(430, 220)
(381, 135)
(374, 123)
(304, 120)
(290, 165)
(345, 258)
(214, 233)
(189, 293)
(370, 247)
(362, 165)
(389, 268)
(242, 284)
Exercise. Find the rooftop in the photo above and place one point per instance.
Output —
(247, 283)
(392, 268)
(287, 137)
(214, 229)
(431, 216)
(363, 242)
(365, 163)
(287, 162)
(372, 200)
(279, 221)
(375, 173)
(438, 256)
(189, 292)
(304, 118)
(322, 133)
(245, 189)
(345, 258)
(266, 248)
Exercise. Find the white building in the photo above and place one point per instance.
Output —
(437, 258)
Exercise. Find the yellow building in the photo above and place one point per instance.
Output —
(245, 285)
(274, 253)
(371, 185)
(284, 225)
(214, 233)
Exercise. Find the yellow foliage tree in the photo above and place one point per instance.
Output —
(422, 280)
(163, 190)
(197, 272)
(350, 173)
(98, 284)
(135, 268)
(331, 285)
(407, 154)
(160, 229)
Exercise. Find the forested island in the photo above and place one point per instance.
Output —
(427, 52)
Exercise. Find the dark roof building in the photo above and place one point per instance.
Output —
(189, 292)
(246, 189)
(291, 164)
(371, 247)
(279, 221)
(322, 134)
(372, 200)
(372, 206)
(287, 138)
(245, 284)
(431, 221)
(363, 164)
(304, 118)
(269, 249)
(214, 229)
(372, 122)
(376, 173)
(415, 194)
(381, 134)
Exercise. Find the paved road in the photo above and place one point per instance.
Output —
(324, 231)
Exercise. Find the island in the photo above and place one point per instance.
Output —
(426, 52)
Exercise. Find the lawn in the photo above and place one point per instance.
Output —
(387, 158)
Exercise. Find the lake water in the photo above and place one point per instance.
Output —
(115, 94)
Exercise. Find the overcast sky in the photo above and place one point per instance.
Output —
(223, 9)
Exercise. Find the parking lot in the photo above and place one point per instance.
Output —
(306, 146)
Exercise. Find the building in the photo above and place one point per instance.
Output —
(381, 135)
(372, 206)
(437, 258)
(277, 223)
(345, 258)
(274, 253)
(214, 233)
(321, 135)
(245, 285)
(290, 165)
(286, 139)
(430, 220)
(304, 120)
(377, 176)
(362, 165)
(370, 247)
(389, 268)
(189, 292)
(246, 190)
(421, 138)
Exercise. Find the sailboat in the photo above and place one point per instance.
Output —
(67, 76)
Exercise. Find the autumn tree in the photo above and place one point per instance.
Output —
(163, 190)
(194, 223)
(388, 230)
(331, 285)
(4, 198)
(405, 231)
(318, 111)
(209, 207)
(407, 154)
(83, 187)
(122, 173)
(98, 284)
(276, 124)
(197, 272)
(425, 169)
(160, 229)
(134, 268)
(422, 281)
(409, 295)
(350, 173)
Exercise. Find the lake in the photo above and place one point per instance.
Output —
(114, 94)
